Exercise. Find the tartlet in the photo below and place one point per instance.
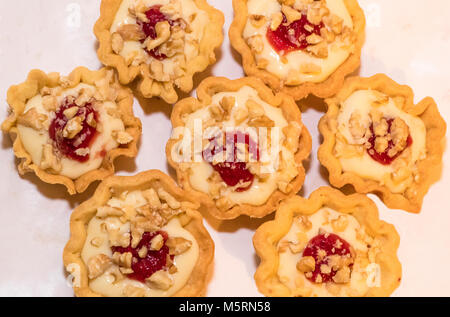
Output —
(220, 147)
(328, 245)
(139, 236)
(69, 130)
(377, 140)
(162, 42)
(300, 47)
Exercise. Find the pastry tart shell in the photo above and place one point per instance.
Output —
(322, 89)
(20, 94)
(212, 39)
(191, 220)
(359, 206)
(429, 169)
(205, 91)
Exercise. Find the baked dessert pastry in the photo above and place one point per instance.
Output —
(163, 42)
(300, 47)
(139, 236)
(328, 245)
(238, 148)
(69, 130)
(377, 140)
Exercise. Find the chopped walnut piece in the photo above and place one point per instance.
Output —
(133, 291)
(143, 252)
(291, 14)
(107, 211)
(82, 151)
(50, 103)
(262, 121)
(304, 223)
(319, 50)
(96, 242)
(122, 137)
(342, 276)
(357, 129)
(163, 35)
(316, 12)
(314, 39)
(32, 119)
(381, 144)
(157, 243)
(335, 23)
(117, 43)
(152, 197)
(160, 280)
(123, 259)
(97, 265)
(169, 199)
(131, 32)
(296, 247)
(277, 18)
(49, 160)
(73, 127)
(254, 108)
(71, 112)
(227, 103)
(339, 224)
(306, 264)
(217, 113)
(256, 44)
(240, 115)
(399, 133)
(257, 20)
(91, 120)
(178, 245)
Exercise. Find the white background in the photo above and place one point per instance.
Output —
(407, 39)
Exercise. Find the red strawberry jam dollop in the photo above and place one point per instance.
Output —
(331, 244)
(152, 263)
(83, 139)
(154, 16)
(232, 171)
(384, 157)
(292, 37)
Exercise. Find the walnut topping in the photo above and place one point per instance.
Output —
(96, 242)
(160, 280)
(304, 223)
(240, 115)
(73, 127)
(131, 32)
(227, 103)
(169, 199)
(291, 14)
(217, 113)
(91, 120)
(256, 44)
(71, 112)
(157, 243)
(152, 197)
(342, 276)
(133, 291)
(97, 265)
(257, 20)
(122, 137)
(306, 264)
(339, 224)
(262, 121)
(178, 245)
(277, 18)
(399, 133)
(117, 43)
(316, 12)
(123, 260)
(107, 211)
(254, 108)
(163, 35)
(320, 50)
(49, 160)
(32, 119)
(82, 151)
(50, 103)
(143, 252)
(314, 39)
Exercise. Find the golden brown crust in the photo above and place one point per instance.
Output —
(212, 39)
(192, 221)
(429, 169)
(323, 89)
(362, 208)
(205, 91)
(20, 94)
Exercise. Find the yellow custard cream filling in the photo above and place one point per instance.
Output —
(289, 67)
(322, 219)
(106, 284)
(34, 140)
(364, 166)
(260, 191)
(197, 19)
